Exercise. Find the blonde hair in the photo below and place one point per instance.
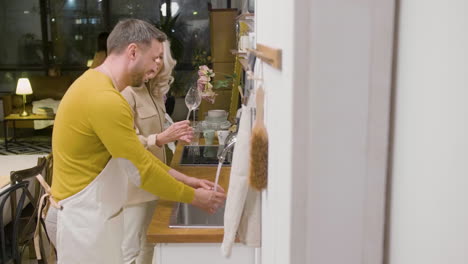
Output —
(161, 84)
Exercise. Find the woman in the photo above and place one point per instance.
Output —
(101, 52)
(147, 103)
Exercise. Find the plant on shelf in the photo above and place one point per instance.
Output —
(226, 83)
(200, 57)
(204, 85)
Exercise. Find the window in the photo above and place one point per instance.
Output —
(20, 28)
(192, 28)
(147, 10)
(72, 27)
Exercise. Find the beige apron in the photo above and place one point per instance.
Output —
(90, 223)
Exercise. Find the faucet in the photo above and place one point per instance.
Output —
(228, 146)
(230, 140)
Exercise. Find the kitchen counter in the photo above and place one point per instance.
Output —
(159, 231)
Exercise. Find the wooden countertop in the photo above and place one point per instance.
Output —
(159, 231)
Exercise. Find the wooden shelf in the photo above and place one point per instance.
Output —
(236, 52)
(268, 54)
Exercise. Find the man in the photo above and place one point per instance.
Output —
(96, 151)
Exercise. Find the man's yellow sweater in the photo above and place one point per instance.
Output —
(94, 123)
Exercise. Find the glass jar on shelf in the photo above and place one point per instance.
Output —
(245, 25)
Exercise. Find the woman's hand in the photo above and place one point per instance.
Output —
(202, 183)
(177, 131)
(195, 182)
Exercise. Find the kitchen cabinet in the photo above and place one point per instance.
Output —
(202, 253)
(222, 40)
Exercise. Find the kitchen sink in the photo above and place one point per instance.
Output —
(188, 216)
(203, 156)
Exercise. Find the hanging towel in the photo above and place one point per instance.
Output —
(242, 215)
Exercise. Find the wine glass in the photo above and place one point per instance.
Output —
(192, 100)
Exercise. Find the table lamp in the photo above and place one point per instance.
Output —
(24, 88)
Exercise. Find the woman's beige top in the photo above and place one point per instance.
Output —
(149, 114)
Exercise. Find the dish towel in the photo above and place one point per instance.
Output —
(242, 215)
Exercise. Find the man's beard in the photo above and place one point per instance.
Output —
(137, 79)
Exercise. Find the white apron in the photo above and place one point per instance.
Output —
(90, 223)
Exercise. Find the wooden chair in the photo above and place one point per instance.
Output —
(13, 236)
(20, 234)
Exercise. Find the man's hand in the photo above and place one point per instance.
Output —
(208, 200)
(177, 131)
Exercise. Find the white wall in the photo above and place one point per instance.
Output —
(429, 222)
(327, 118)
(350, 81)
(274, 20)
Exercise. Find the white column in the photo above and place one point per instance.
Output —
(429, 198)
(274, 19)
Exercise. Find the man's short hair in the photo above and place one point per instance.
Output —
(132, 31)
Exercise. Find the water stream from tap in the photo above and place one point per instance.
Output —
(217, 175)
